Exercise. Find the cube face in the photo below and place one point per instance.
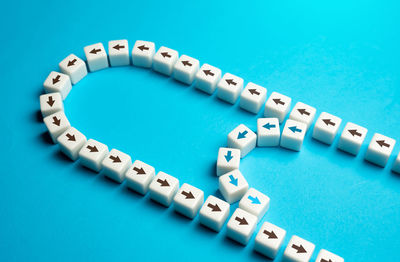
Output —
(268, 132)
(229, 88)
(118, 52)
(241, 226)
(214, 213)
(96, 57)
(142, 53)
(325, 255)
(303, 113)
(278, 106)
(51, 103)
(326, 128)
(207, 78)
(92, 154)
(233, 186)
(115, 165)
(139, 176)
(74, 67)
(293, 135)
(269, 240)
(58, 82)
(56, 124)
(352, 138)
(379, 149)
(253, 97)
(242, 138)
(71, 142)
(185, 69)
(228, 160)
(255, 203)
(396, 164)
(188, 200)
(163, 188)
(298, 250)
(164, 60)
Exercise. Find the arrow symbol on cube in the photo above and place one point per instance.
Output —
(72, 62)
(208, 72)
(56, 121)
(324, 260)
(230, 82)
(57, 78)
(115, 159)
(92, 148)
(143, 47)
(254, 91)
(271, 235)
(50, 101)
(278, 101)
(228, 156)
(95, 51)
(70, 137)
(242, 134)
(382, 143)
(188, 195)
(254, 200)
(242, 221)
(328, 122)
(294, 129)
(302, 111)
(354, 132)
(118, 47)
(269, 126)
(186, 63)
(214, 208)
(300, 249)
(139, 171)
(165, 54)
(163, 182)
(233, 180)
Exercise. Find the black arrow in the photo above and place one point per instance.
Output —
(271, 235)
(186, 63)
(95, 51)
(56, 121)
(118, 47)
(165, 54)
(143, 47)
(354, 132)
(50, 101)
(115, 159)
(278, 101)
(303, 112)
(382, 143)
(324, 260)
(92, 148)
(70, 137)
(328, 122)
(163, 182)
(139, 171)
(230, 82)
(254, 91)
(242, 221)
(214, 208)
(300, 249)
(57, 78)
(72, 62)
(188, 195)
(208, 72)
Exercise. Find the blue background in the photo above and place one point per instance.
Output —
(342, 57)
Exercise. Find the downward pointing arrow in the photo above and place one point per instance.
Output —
(278, 101)
(208, 72)
(254, 91)
(50, 101)
(57, 78)
(186, 63)
(271, 235)
(214, 208)
(56, 121)
(188, 195)
(242, 134)
(230, 82)
(228, 156)
(382, 143)
(72, 62)
(354, 132)
(115, 159)
(139, 171)
(233, 180)
(163, 182)
(95, 51)
(303, 112)
(328, 122)
(143, 47)
(165, 54)
(300, 249)
(70, 137)
(242, 221)
(92, 148)
(118, 47)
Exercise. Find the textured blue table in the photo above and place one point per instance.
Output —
(342, 57)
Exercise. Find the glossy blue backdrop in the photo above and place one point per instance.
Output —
(342, 57)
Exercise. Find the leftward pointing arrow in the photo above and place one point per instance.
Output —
(382, 143)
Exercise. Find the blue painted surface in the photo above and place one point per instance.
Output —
(338, 56)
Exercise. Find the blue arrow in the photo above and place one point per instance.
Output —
(242, 134)
(269, 126)
(294, 129)
(228, 156)
(233, 180)
(254, 200)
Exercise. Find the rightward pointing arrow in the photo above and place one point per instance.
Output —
(269, 126)
(163, 182)
(139, 171)
(300, 249)
(92, 148)
(233, 180)
(278, 101)
(328, 122)
(242, 134)
(214, 208)
(143, 47)
(188, 195)
(354, 132)
(56, 79)
(50, 101)
(271, 235)
(228, 156)
(165, 54)
(382, 143)
(208, 72)
(70, 137)
(72, 62)
(254, 200)
(302, 111)
(56, 121)
(118, 47)
(254, 91)
(186, 63)
(115, 159)
(294, 129)
(95, 51)
(242, 221)
(230, 82)
(324, 260)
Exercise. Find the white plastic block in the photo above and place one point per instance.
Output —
(214, 213)
(241, 226)
(268, 132)
(74, 67)
(142, 53)
(185, 69)
(92, 154)
(207, 78)
(115, 165)
(278, 106)
(228, 160)
(379, 149)
(163, 188)
(269, 240)
(255, 203)
(326, 256)
(58, 82)
(229, 88)
(139, 176)
(298, 250)
(352, 138)
(303, 113)
(118, 52)
(51, 103)
(164, 60)
(253, 98)
(188, 200)
(71, 142)
(396, 164)
(233, 186)
(242, 138)
(96, 57)
(293, 135)
(326, 128)
(56, 124)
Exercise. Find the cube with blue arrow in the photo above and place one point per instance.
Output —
(255, 203)
(228, 160)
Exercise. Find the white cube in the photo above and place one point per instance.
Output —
(74, 67)
(298, 250)
(253, 97)
(255, 203)
(379, 149)
(278, 106)
(396, 164)
(326, 128)
(325, 255)
(241, 226)
(96, 57)
(293, 135)
(207, 78)
(352, 138)
(228, 160)
(303, 113)
(214, 213)
(188, 200)
(268, 132)
(229, 88)
(92, 154)
(269, 240)
(56, 124)
(118, 52)
(58, 82)
(71, 142)
(163, 188)
(142, 53)
(242, 138)
(185, 69)
(51, 103)
(139, 176)
(115, 165)
(164, 60)
(233, 186)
